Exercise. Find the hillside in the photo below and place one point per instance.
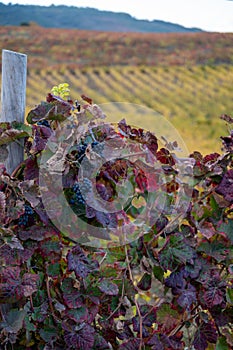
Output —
(53, 47)
(83, 18)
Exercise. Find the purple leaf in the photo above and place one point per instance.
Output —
(72, 297)
(100, 343)
(2, 205)
(204, 334)
(176, 280)
(29, 284)
(80, 337)
(31, 171)
(215, 292)
(155, 343)
(131, 344)
(173, 342)
(225, 187)
(187, 296)
(38, 112)
(41, 136)
(108, 287)
(79, 263)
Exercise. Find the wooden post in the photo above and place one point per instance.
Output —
(13, 98)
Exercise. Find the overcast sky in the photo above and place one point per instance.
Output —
(212, 15)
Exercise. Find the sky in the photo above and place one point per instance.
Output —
(209, 15)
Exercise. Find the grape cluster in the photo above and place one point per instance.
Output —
(44, 122)
(98, 147)
(80, 189)
(81, 151)
(85, 185)
(28, 213)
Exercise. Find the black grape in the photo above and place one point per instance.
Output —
(28, 213)
(44, 123)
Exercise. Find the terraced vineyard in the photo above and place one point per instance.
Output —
(192, 99)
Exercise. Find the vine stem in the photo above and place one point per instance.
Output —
(135, 301)
(120, 302)
(50, 298)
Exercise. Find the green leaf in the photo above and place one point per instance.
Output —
(22, 127)
(222, 344)
(13, 321)
(229, 295)
(30, 327)
(175, 252)
(227, 229)
(214, 249)
(54, 270)
(11, 135)
(158, 273)
(78, 315)
(49, 332)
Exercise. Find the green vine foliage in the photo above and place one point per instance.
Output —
(163, 290)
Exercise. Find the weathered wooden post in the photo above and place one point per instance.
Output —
(13, 99)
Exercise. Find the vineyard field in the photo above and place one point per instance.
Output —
(185, 77)
(192, 99)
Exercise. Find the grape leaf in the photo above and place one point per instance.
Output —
(79, 263)
(215, 291)
(72, 297)
(40, 312)
(31, 171)
(214, 249)
(187, 296)
(167, 318)
(49, 333)
(2, 206)
(108, 287)
(227, 229)
(176, 252)
(11, 135)
(222, 344)
(165, 157)
(229, 295)
(176, 280)
(29, 284)
(100, 343)
(155, 343)
(225, 187)
(78, 315)
(145, 282)
(13, 321)
(54, 270)
(81, 337)
(131, 344)
(41, 136)
(206, 333)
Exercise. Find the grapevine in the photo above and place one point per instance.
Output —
(168, 286)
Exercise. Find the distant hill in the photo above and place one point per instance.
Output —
(83, 18)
